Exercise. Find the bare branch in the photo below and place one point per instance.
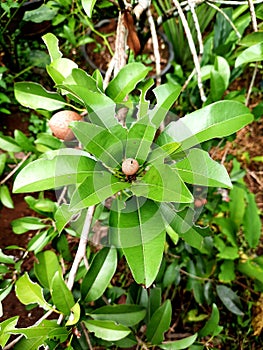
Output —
(192, 49)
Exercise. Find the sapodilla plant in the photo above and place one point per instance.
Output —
(146, 176)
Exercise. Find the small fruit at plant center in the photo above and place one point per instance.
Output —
(130, 166)
(59, 124)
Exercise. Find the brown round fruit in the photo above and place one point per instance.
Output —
(59, 124)
(130, 166)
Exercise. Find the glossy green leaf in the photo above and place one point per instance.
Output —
(34, 96)
(252, 39)
(101, 142)
(8, 144)
(29, 292)
(179, 344)
(3, 158)
(211, 327)
(166, 95)
(138, 228)
(5, 197)
(88, 6)
(217, 85)
(126, 80)
(139, 140)
(48, 141)
(125, 314)
(60, 69)
(162, 184)
(6, 259)
(252, 222)
(62, 167)
(27, 223)
(23, 141)
(107, 330)
(253, 53)
(251, 268)
(5, 327)
(100, 107)
(181, 225)
(198, 168)
(143, 105)
(219, 119)
(159, 323)
(227, 271)
(74, 315)
(61, 295)
(160, 153)
(229, 299)
(96, 189)
(52, 44)
(41, 239)
(80, 77)
(62, 216)
(237, 205)
(45, 268)
(99, 275)
(42, 331)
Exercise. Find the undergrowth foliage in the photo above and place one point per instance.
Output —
(155, 231)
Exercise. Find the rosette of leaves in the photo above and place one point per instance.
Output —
(145, 206)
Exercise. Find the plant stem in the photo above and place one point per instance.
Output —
(192, 49)
(81, 251)
(15, 169)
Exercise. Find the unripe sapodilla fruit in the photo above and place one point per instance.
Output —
(130, 166)
(59, 124)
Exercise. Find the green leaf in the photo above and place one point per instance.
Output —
(62, 216)
(179, 344)
(27, 223)
(252, 269)
(162, 183)
(61, 295)
(3, 158)
(88, 6)
(74, 315)
(126, 80)
(127, 315)
(166, 95)
(34, 96)
(253, 53)
(107, 330)
(29, 292)
(5, 197)
(252, 39)
(5, 327)
(159, 154)
(227, 271)
(80, 77)
(6, 259)
(23, 141)
(40, 14)
(51, 42)
(237, 205)
(100, 107)
(252, 222)
(62, 167)
(181, 225)
(8, 144)
(139, 140)
(96, 189)
(39, 333)
(48, 141)
(159, 323)
(138, 229)
(99, 275)
(102, 143)
(219, 119)
(60, 69)
(211, 327)
(229, 299)
(45, 268)
(198, 168)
